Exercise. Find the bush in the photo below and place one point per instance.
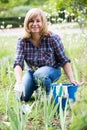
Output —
(19, 11)
(11, 22)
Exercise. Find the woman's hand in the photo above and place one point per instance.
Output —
(19, 89)
(75, 82)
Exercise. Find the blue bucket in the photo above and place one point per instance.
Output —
(71, 89)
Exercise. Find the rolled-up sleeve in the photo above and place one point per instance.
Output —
(60, 55)
(19, 60)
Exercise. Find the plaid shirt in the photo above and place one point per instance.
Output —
(49, 53)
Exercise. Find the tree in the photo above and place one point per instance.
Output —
(6, 4)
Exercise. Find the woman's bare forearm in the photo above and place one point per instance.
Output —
(18, 73)
(68, 70)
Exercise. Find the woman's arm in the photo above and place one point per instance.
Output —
(18, 73)
(19, 87)
(68, 70)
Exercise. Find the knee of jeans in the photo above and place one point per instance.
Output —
(42, 80)
(46, 81)
(38, 76)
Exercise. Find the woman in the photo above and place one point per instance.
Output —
(44, 55)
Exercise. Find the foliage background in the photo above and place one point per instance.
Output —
(20, 7)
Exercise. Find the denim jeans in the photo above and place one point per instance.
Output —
(45, 75)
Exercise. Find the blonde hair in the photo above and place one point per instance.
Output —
(31, 14)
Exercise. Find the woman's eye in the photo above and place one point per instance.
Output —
(31, 21)
(38, 20)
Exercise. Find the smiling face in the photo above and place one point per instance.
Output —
(35, 24)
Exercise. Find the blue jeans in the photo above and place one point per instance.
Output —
(45, 75)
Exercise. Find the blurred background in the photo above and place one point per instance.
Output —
(12, 12)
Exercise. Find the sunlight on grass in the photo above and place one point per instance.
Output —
(7, 45)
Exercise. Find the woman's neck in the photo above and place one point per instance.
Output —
(36, 39)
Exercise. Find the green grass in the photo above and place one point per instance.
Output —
(74, 44)
(7, 46)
